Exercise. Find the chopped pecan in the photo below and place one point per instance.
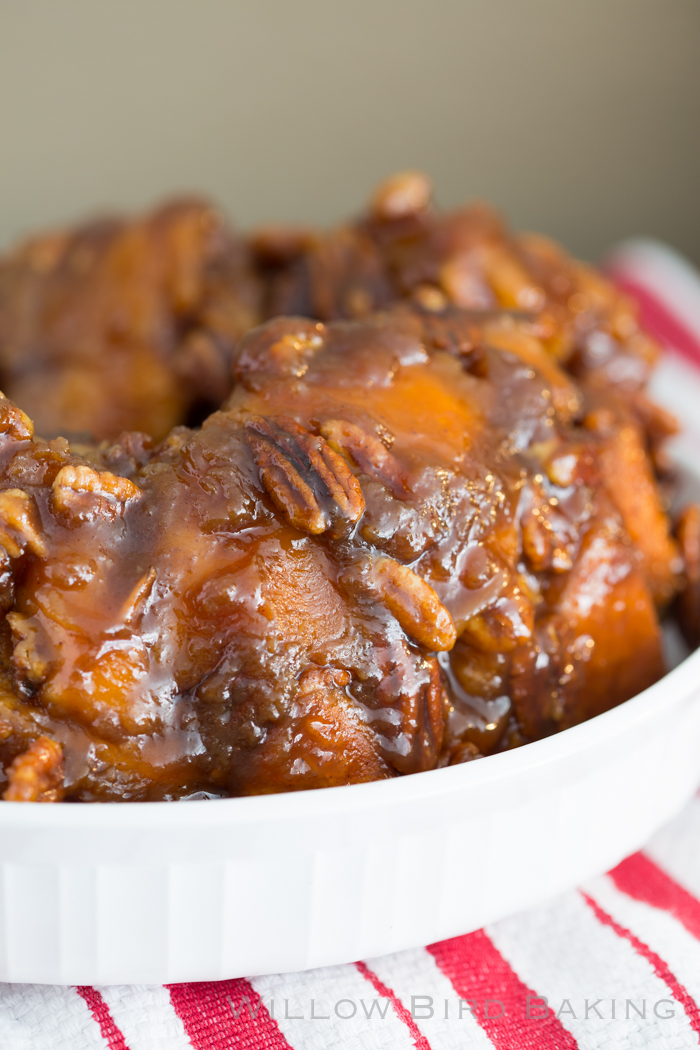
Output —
(309, 482)
(415, 604)
(430, 298)
(139, 595)
(19, 524)
(509, 278)
(368, 452)
(404, 194)
(508, 622)
(284, 347)
(463, 753)
(314, 678)
(37, 774)
(84, 493)
(32, 665)
(537, 539)
(506, 334)
(13, 421)
(7, 729)
(431, 711)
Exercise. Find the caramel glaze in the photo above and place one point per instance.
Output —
(392, 549)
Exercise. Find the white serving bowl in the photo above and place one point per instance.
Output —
(157, 892)
(160, 892)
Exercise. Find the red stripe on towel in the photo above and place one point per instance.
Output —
(660, 320)
(100, 1012)
(660, 968)
(220, 1014)
(480, 974)
(643, 880)
(420, 1042)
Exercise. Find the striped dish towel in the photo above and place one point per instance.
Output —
(615, 964)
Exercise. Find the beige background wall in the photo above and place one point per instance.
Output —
(578, 117)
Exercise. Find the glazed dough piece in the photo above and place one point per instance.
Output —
(124, 324)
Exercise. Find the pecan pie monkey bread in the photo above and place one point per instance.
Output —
(305, 508)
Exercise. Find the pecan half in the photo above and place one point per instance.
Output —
(19, 524)
(84, 493)
(310, 483)
(368, 452)
(415, 605)
(37, 774)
